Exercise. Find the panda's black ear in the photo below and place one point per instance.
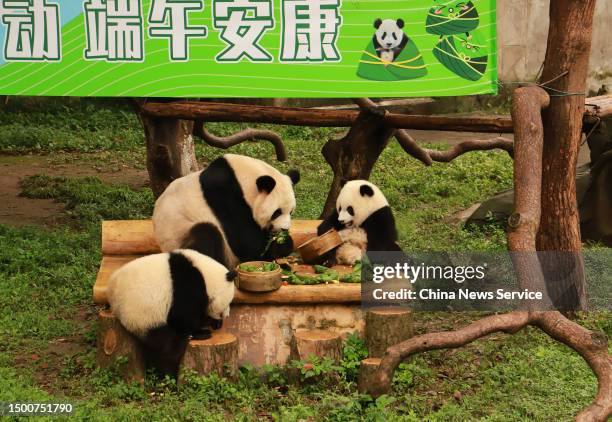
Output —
(343, 182)
(265, 184)
(294, 175)
(231, 275)
(366, 190)
(400, 23)
(377, 23)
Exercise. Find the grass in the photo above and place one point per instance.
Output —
(47, 321)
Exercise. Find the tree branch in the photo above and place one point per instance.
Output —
(524, 224)
(242, 136)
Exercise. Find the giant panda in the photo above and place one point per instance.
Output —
(389, 39)
(228, 211)
(364, 221)
(167, 298)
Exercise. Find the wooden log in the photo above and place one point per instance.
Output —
(218, 354)
(136, 237)
(223, 112)
(128, 237)
(116, 342)
(367, 373)
(321, 343)
(385, 328)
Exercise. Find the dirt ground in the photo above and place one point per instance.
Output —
(16, 210)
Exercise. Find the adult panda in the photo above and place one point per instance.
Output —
(229, 211)
(167, 298)
(364, 221)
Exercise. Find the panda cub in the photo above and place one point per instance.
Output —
(165, 299)
(228, 211)
(364, 221)
(389, 38)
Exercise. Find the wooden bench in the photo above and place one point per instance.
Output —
(263, 323)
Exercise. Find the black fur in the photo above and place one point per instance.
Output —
(206, 239)
(381, 231)
(224, 196)
(266, 184)
(366, 190)
(329, 223)
(294, 175)
(188, 316)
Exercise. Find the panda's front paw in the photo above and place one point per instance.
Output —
(203, 334)
(280, 250)
(216, 324)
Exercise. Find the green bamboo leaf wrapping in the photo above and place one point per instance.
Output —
(465, 57)
(452, 18)
(408, 65)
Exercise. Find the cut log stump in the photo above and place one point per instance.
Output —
(385, 328)
(321, 343)
(367, 370)
(115, 342)
(218, 354)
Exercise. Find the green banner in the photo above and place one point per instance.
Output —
(248, 48)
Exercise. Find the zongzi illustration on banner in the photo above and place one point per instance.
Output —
(247, 48)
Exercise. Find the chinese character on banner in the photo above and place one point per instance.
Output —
(310, 30)
(114, 30)
(168, 19)
(32, 30)
(242, 24)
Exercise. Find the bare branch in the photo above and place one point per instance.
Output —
(469, 146)
(381, 383)
(411, 147)
(248, 134)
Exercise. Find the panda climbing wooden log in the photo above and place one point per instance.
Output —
(165, 299)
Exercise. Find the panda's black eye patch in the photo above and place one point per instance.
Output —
(384, 35)
(351, 211)
(276, 214)
(394, 36)
(339, 210)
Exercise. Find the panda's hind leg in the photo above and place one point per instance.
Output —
(163, 350)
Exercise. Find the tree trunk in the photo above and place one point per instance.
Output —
(218, 354)
(170, 150)
(320, 343)
(354, 156)
(385, 328)
(114, 342)
(568, 50)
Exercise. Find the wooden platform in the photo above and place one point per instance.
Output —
(263, 323)
(124, 241)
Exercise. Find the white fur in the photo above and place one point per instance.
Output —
(355, 244)
(182, 204)
(140, 292)
(247, 171)
(389, 35)
(220, 291)
(363, 206)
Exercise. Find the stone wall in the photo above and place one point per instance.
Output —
(522, 28)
